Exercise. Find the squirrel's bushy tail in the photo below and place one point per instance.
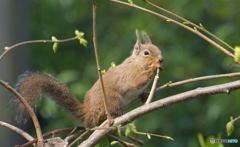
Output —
(32, 85)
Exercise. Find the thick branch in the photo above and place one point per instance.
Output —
(17, 130)
(138, 112)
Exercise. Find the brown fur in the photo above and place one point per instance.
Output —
(121, 83)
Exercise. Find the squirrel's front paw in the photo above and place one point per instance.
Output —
(144, 96)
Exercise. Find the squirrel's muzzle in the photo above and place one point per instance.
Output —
(160, 64)
(157, 64)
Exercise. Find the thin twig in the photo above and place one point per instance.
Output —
(57, 131)
(189, 22)
(154, 85)
(34, 41)
(124, 143)
(134, 139)
(29, 110)
(236, 119)
(72, 136)
(17, 130)
(178, 23)
(179, 83)
(165, 102)
(97, 60)
(211, 77)
(156, 135)
(78, 138)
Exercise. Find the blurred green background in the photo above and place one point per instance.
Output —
(186, 56)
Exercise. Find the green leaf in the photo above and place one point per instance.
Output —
(103, 71)
(55, 44)
(127, 131)
(168, 20)
(55, 47)
(6, 48)
(83, 42)
(130, 1)
(114, 142)
(119, 130)
(230, 128)
(186, 22)
(132, 127)
(170, 138)
(80, 36)
(200, 24)
(237, 54)
(201, 140)
(113, 64)
(148, 136)
(195, 28)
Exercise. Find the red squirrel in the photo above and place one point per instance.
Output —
(121, 82)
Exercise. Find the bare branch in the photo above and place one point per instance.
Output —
(17, 130)
(236, 119)
(168, 101)
(138, 141)
(97, 60)
(57, 131)
(154, 85)
(124, 143)
(189, 22)
(79, 138)
(29, 110)
(178, 23)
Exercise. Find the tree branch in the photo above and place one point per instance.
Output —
(17, 130)
(29, 110)
(97, 59)
(195, 31)
(153, 89)
(211, 77)
(54, 132)
(168, 101)
(189, 22)
(34, 41)
(175, 84)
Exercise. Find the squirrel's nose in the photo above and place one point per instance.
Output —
(161, 62)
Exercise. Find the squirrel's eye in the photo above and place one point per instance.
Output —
(146, 53)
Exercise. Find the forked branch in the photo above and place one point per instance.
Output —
(202, 28)
(28, 109)
(195, 31)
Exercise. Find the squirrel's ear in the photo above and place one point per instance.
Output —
(146, 38)
(137, 45)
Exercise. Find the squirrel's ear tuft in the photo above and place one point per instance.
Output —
(146, 38)
(137, 46)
